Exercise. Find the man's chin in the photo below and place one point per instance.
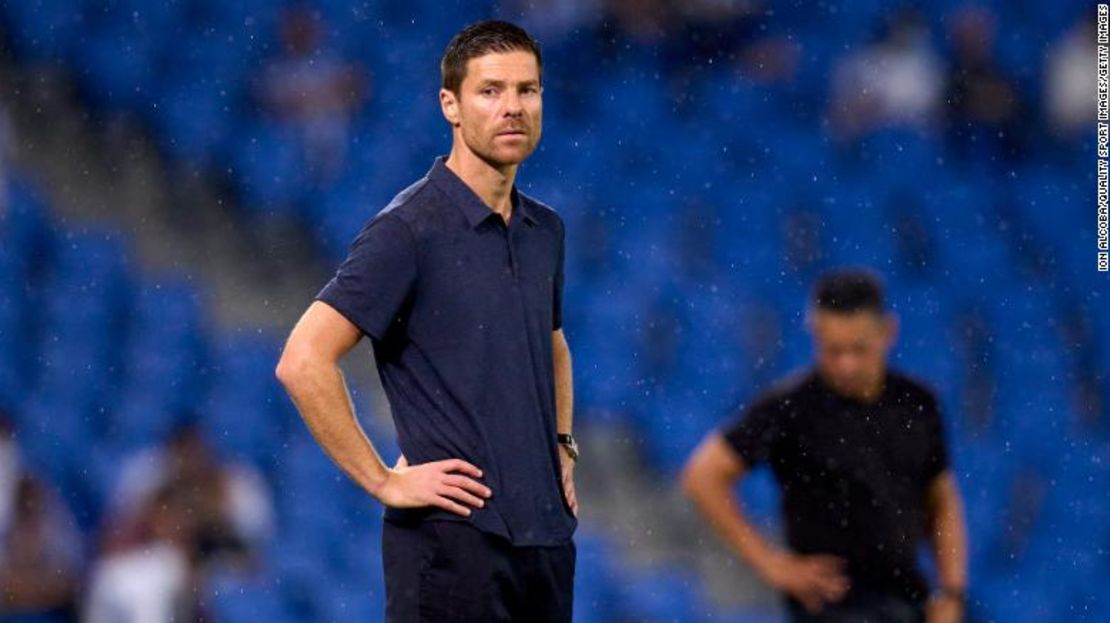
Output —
(508, 157)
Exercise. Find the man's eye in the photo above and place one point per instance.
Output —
(489, 91)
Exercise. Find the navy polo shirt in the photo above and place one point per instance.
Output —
(460, 308)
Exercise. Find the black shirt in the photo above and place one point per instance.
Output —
(460, 308)
(853, 475)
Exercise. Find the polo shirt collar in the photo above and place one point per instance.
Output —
(475, 210)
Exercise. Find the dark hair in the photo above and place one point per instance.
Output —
(849, 290)
(479, 39)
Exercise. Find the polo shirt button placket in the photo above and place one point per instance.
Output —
(513, 267)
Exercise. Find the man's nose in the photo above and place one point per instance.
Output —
(513, 105)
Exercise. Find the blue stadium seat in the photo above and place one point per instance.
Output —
(14, 371)
(269, 170)
(43, 30)
(245, 416)
(663, 597)
(117, 68)
(239, 598)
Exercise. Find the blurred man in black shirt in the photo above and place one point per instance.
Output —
(859, 452)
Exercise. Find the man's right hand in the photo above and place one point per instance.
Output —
(814, 580)
(448, 484)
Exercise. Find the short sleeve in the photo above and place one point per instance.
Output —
(373, 283)
(937, 460)
(752, 434)
(557, 298)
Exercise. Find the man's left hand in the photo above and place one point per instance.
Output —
(568, 479)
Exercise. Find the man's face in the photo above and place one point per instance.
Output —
(499, 107)
(852, 348)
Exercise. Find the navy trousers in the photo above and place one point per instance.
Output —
(449, 571)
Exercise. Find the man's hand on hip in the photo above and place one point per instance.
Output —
(567, 466)
(815, 580)
(448, 484)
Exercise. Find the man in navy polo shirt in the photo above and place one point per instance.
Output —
(458, 283)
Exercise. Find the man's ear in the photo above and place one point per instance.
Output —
(893, 325)
(449, 104)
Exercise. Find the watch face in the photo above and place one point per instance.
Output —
(571, 446)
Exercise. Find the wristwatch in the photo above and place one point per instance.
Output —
(567, 441)
(954, 593)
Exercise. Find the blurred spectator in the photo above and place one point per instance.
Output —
(1069, 80)
(176, 514)
(984, 106)
(40, 545)
(897, 81)
(313, 91)
(235, 511)
(150, 580)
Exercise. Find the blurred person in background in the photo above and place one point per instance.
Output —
(897, 81)
(313, 91)
(1069, 80)
(151, 578)
(41, 550)
(176, 514)
(984, 103)
(458, 283)
(859, 452)
(237, 505)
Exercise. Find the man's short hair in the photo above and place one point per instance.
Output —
(479, 39)
(849, 290)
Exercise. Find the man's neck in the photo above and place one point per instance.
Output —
(875, 392)
(869, 395)
(492, 184)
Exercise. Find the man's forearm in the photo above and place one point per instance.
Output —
(949, 535)
(716, 502)
(564, 389)
(320, 394)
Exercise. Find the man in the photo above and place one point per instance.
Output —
(859, 452)
(458, 282)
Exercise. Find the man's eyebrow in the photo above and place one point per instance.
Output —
(488, 82)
